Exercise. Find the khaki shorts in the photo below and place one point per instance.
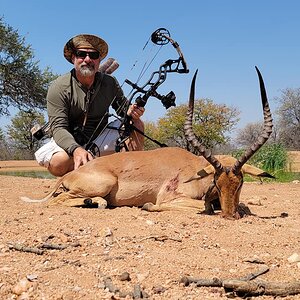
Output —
(44, 154)
(105, 144)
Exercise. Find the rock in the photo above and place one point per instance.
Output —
(256, 200)
(295, 257)
(149, 222)
(32, 277)
(22, 286)
(125, 276)
(158, 289)
(255, 259)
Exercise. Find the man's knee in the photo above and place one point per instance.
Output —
(60, 164)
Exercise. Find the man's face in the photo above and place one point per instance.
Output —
(86, 61)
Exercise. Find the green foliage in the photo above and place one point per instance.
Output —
(22, 83)
(152, 131)
(211, 122)
(32, 174)
(20, 135)
(287, 176)
(273, 157)
(170, 127)
(281, 176)
(270, 157)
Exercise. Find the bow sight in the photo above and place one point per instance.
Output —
(141, 94)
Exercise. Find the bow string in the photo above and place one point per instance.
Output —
(141, 94)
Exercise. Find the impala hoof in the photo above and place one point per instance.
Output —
(88, 202)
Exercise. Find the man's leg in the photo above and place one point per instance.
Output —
(60, 164)
(54, 158)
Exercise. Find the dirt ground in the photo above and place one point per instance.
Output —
(80, 253)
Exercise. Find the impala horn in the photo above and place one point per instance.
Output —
(266, 131)
(190, 135)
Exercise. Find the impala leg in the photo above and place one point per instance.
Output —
(98, 201)
(208, 200)
(181, 203)
(68, 199)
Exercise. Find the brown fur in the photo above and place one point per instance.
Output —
(161, 179)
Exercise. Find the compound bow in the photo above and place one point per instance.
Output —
(141, 94)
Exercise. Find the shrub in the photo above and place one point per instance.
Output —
(270, 157)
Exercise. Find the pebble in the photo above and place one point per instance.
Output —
(159, 289)
(256, 200)
(295, 257)
(32, 277)
(149, 222)
(22, 286)
(125, 276)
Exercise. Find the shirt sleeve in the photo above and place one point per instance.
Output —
(58, 107)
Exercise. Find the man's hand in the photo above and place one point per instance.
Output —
(135, 111)
(81, 157)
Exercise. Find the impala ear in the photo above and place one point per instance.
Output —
(202, 173)
(267, 175)
(206, 171)
(253, 171)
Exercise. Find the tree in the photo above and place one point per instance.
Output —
(211, 122)
(152, 131)
(20, 134)
(289, 118)
(248, 135)
(4, 147)
(22, 83)
(2, 138)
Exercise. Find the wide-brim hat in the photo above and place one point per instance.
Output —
(87, 41)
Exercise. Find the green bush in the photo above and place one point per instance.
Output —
(270, 157)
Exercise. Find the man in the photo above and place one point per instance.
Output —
(78, 104)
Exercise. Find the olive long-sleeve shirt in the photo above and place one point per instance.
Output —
(68, 100)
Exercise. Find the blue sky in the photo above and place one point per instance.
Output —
(224, 40)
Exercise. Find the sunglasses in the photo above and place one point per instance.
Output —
(83, 54)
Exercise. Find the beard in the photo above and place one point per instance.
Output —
(86, 70)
